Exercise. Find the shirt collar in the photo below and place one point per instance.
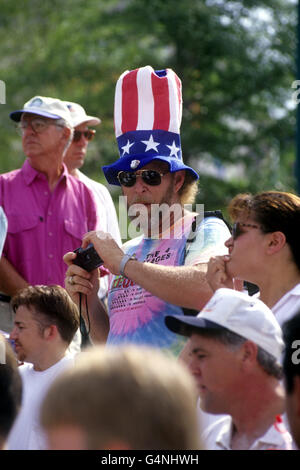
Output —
(223, 437)
(65, 174)
(30, 173)
(276, 436)
(295, 290)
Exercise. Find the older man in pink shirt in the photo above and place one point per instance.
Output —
(47, 209)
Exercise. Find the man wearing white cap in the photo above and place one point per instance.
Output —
(291, 370)
(76, 152)
(47, 209)
(74, 159)
(235, 346)
(159, 271)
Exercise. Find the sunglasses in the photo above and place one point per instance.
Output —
(150, 177)
(89, 135)
(237, 229)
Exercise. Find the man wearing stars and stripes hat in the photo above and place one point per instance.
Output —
(159, 272)
(148, 110)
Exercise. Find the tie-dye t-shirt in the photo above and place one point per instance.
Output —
(136, 316)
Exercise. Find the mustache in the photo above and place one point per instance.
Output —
(140, 201)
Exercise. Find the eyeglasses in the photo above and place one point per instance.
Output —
(37, 125)
(89, 135)
(150, 177)
(237, 230)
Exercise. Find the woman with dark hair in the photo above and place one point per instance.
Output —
(264, 249)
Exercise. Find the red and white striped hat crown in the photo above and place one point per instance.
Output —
(148, 111)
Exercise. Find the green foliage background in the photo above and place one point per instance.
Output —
(236, 60)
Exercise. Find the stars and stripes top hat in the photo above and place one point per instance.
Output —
(148, 111)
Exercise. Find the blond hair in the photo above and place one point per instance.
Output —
(133, 395)
(188, 190)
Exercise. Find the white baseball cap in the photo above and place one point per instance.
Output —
(52, 108)
(79, 115)
(238, 312)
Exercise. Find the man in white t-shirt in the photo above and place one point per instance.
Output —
(45, 322)
(235, 346)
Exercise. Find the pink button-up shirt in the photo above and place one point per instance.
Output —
(44, 225)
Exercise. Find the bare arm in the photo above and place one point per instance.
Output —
(185, 286)
(88, 285)
(10, 280)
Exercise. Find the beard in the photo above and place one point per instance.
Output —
(152, 218)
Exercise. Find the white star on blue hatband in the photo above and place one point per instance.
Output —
(126, 147)
(150, 144)
(173, 149)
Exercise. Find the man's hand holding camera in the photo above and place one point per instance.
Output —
(79, 280)
(107, 249)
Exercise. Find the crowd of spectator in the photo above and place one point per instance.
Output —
(159, 345)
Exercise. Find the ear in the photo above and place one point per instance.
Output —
(185, 353)
(179, 177)
(276, 241)
(50, 332)
(249, 354)
(66, 132)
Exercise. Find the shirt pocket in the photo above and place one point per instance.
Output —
(21, 223)
(22, 236)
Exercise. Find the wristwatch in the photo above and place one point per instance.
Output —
(124, 261)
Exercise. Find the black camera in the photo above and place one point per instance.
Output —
(87, 258)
